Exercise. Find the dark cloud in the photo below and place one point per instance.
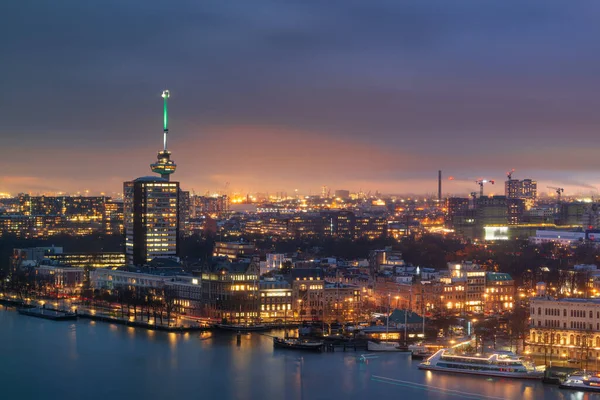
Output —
(461, 85)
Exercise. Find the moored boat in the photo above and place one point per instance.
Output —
(386, 346)
(582, 380)
(297, 344)
(496, 364)
(48, 314)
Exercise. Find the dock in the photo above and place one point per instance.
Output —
(15, 303)
(142, 324)
(52, 315)
(555, 375)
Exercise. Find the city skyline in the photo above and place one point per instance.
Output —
(374, 96)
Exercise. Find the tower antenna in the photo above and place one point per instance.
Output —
(164, 166)
(165, 96)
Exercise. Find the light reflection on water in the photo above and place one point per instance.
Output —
(111, 361)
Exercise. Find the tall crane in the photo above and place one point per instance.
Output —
(510, 173)
(559, 191)
(482, 182)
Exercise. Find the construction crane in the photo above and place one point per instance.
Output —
(482, 182)
(559, 191)
(509, 174)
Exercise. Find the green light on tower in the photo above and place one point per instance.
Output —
(165, 96)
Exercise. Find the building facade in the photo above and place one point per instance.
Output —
(565, 328)
(151, 219)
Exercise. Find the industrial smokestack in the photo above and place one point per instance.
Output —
(440, 187)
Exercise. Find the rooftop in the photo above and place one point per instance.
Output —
(498, 276)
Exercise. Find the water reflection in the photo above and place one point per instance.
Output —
(125, 362)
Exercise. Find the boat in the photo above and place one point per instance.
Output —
(495, 364)
(582, 380)
(297, 344)
(243, 328)
(386, 346)
(419, 355)
(48, 314)
(419, 352)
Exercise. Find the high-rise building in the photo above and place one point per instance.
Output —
(184, 212)
(525, 189)
(342, 194)
(151, 219)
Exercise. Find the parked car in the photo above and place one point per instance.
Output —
(572, 361)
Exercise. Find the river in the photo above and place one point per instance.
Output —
(42, 359)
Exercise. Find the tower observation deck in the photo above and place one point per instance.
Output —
(164, 166)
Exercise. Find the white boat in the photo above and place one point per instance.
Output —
(582, 380)
(496, 364)
(386, 346)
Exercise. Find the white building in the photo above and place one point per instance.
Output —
(185, 289)
(274, 263)
(561, 237)
(565, 328)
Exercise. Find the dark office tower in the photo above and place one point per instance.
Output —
(151, 219)
(184, 212)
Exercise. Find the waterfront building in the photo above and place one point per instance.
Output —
(307, 292)
(565, 328)
(62, 278)
(151, 219)
(275, 300)
(183, 292)
(230, 290)
(342, 302)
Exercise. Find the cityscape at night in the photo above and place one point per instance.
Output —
(347, 199)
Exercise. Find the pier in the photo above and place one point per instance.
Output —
(142, 324)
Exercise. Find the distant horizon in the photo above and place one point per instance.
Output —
(277, 96)
(547, 193)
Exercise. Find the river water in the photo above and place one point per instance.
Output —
(42, 359)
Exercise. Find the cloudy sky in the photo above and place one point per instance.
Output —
(283, 95)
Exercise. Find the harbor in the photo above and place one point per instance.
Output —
(214, 366)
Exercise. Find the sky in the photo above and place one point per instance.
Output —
(273, 96)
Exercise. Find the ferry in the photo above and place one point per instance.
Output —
(582, 380)
(496, 364)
